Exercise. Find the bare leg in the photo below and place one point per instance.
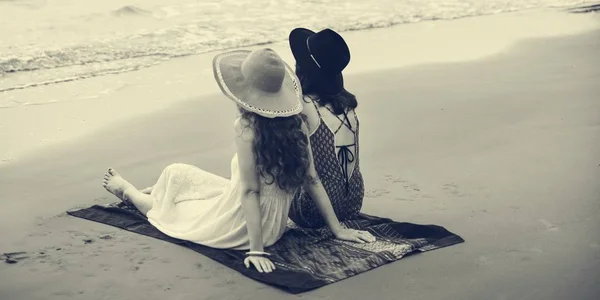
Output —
(116, 185)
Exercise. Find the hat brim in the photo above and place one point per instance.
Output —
(331, 84)
(299, 48)
(283, 103)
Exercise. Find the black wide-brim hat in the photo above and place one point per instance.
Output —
(322, 55)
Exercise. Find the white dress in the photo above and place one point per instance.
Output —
(194, 205)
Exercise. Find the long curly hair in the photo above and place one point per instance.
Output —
(340, 102)
(280, 149)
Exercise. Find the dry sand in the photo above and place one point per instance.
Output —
(504, 151)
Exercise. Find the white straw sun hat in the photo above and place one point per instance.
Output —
(259, 81)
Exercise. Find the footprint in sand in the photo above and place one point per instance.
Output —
(414, 189)
(410, 187)
(165, 260)
(404, 199)
(483, 260)
(394, 179)
(452, 189)
(136, 260)
(375, 193)
(547, 225)
(524, 254)
(225, 283)
(106, 237)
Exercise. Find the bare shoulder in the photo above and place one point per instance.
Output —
(244, 141)
(308, 108)
(310, 112)
(244, 132)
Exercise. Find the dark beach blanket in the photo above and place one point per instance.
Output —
(305, 259)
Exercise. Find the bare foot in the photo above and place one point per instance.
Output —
(116, 185)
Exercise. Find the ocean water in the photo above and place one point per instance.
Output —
(51, 41)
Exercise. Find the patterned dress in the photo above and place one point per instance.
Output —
(346, 191)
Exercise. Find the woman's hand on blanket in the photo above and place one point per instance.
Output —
(262, 264)
(352, 235)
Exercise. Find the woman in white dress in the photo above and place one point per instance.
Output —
(273, 160)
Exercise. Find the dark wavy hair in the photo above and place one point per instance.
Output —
(280, 149)
(340, 102)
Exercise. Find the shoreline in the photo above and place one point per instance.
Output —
(503, 151)
(80, 108)
(32, 79)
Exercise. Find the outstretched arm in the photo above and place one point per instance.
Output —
(317, 192)
(250, 196)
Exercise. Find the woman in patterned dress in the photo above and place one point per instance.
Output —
(273, 160)
(333, 125)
